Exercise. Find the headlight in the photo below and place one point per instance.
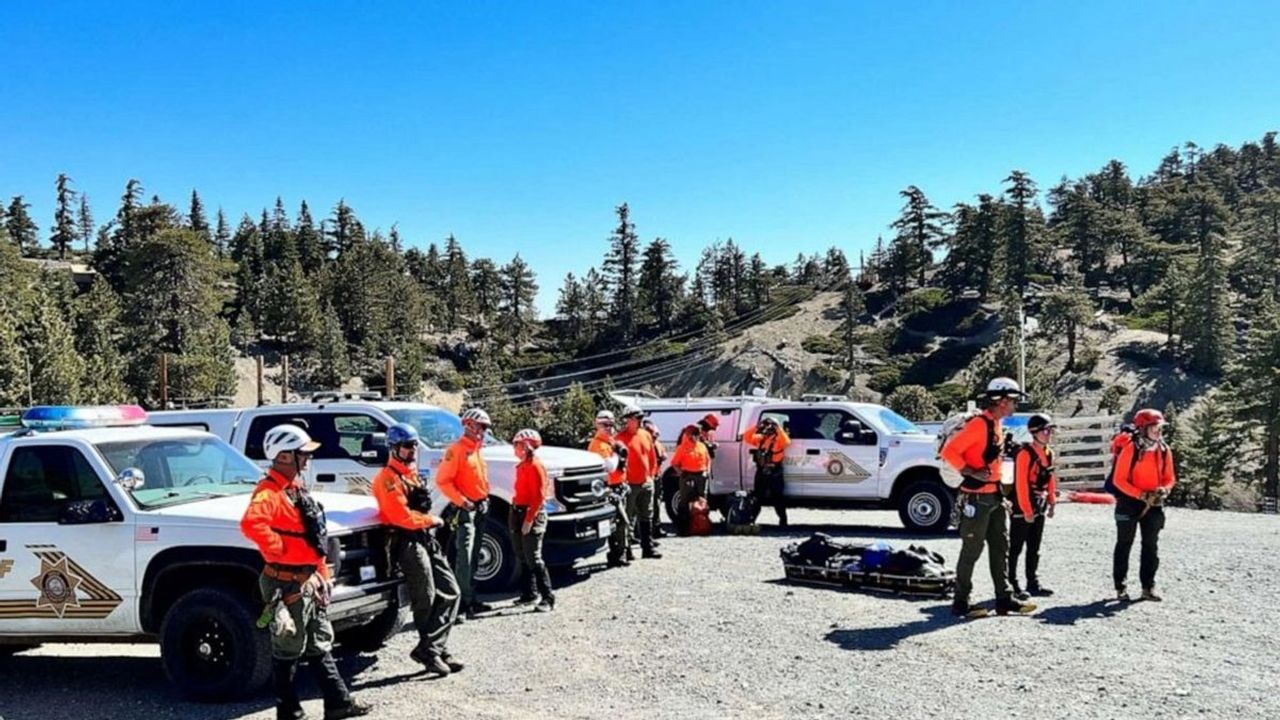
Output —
(553, 506)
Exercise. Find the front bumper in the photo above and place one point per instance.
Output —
(577, 535)
(353, 606)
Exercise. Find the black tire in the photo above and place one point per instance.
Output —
(372, 635)
(498, 568)
(670, 487)
(925, 506)
(209, 646)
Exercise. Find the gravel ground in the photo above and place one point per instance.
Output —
(711, 631)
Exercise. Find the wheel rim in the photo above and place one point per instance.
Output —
(491, 558)
(924, 509)
(207, 648)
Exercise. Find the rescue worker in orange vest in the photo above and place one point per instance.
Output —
(1143, 477)
(527, 522)
(692, 460)
(1035, 489)
(642, 469)
(770, 443)
(976, 451)
(661, 451)
(614, 453)
(463, 478)
(405, 506)
(288, 526)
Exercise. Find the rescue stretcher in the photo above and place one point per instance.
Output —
(825, 562)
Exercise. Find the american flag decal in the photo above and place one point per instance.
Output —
(146, 534)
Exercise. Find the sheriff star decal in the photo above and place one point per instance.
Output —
(63, 590)
(57, 586)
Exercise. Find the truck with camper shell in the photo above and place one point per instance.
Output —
(843, 454)
(115, 531)
(352, 431)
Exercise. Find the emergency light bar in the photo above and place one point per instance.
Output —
(70, 417)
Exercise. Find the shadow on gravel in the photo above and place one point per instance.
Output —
(126, 687)
(887, 638)
(1071, 614)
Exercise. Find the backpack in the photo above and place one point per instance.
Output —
(1110, 484)
(699, 517)
(954, 424)
(1043, 471)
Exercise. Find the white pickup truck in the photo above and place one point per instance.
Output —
(352, 433)
(842, 454)
(90, 554)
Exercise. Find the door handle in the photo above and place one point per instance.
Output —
(326, 477)
(812, 451)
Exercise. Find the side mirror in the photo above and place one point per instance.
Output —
(131, 478)
(88, 512)
(374, 450)
(847, 437)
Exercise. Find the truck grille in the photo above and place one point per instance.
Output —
(581, 488)
(363, 548)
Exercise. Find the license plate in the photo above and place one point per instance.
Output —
(367, 573)
(604, 528)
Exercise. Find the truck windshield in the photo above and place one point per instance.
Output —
(898, 424)
(437, 428)
(182, 470)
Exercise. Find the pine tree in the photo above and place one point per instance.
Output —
(64, 218)
(251, 275)
(1255, 394)
(279, 242)
(913, 402)
(1167, 300)
(56, 369)
(571, 311)
(197, 222)
(487, 286)
(1065, 312)
(972, 248)
(919, 233)
(594, 305)
(290, 308)
(1257, 269)
(852, 308)
(516, 311)
(459, 295)
(124, 233)
(84, 222)
(326, 364)
(1023, 231)
(173, 305)
(393, 239)
(310, 243)
(1208, 331)
(21, 228)
(759, 282)
(1208, 455)
(621, 264)
(1076, 222)
(221, 236)
(98, 335)
(15, 288)
(344, 229)
(835, 266)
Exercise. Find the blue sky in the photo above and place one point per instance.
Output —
(519, 126)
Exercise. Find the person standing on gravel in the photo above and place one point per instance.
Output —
(288, 527)
(404, 505)
(1143, 476)
(770, 444)
(1035, 488)
(463, 478)
(607, 446)
(976, 452)
(642, 468)
(528, 520)
(692, 460)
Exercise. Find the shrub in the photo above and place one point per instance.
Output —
(884, 379)
(913, 402)
(1092, 383)
(822, 344)
(827, 377)
(1087, 359)
(1112, 400)
(951, 397)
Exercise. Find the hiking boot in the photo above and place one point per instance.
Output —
(651, 554)
(1038, 590)
(1018, 592)
(432, 662)
(963, 609)
(290, 714)
(454, 665)
(350, 710)
(1010, 604)
(658, 532)
(525, 600)
(547, 605)
(480, 607)
(618, 562)
(1149, 594)
(1122, 594)
(631, 556)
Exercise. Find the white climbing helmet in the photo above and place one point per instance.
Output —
(1003, 387)
(605, 416)
(287, 438)
(478, 416)
(529, 437)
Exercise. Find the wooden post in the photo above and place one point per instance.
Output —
(284, 379)
(164, 381)
(390, 371)
(261, 399)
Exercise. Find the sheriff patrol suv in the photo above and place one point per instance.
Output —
(352, 432)
(842, 455)
(111, 531)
